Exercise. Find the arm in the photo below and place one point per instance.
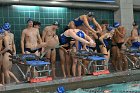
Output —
(87, 24)
(88, 38)
(65, 45)
(43, 35)
(102, 39)
(6, 43)
(133, 33)
(72, 34)
(22, 41)
(122, 35)
(38, 36)
(97, 24)
(13, 45)
(57, 39)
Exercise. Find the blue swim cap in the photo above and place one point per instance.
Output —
(80, 34)
(110, 28)
(1, 30)
(6, 26)
(60, 89)
(116, 24)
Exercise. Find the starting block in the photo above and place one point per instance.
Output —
(40, 79)
(101, 72)
(35, 65)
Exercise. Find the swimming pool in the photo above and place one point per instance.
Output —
(129, 87)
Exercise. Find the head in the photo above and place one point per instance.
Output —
(30, 22)
(1, 31)
(36, 24)
(105, 22)
(116, 24)
(6, 26)
(55, 25)
(135, 25)
(90, 15)
(110, 30)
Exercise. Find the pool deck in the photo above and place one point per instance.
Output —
(73, 82)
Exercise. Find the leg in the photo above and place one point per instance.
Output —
(125, 62)
(74, 63)
(6, 68)
(104, 51)
(62, 61)
(68, 63)
(53, 61)
(114, 58)
(79, 68)
(119, 59)
(85, 63)
(13, 76)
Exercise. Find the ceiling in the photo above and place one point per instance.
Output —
(73, 0)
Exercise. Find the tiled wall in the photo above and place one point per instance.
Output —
(18, 15)
(137, 16)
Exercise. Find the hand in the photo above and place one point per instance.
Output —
(14, 53)
(123, 46)
(98, 31)
(104, 46)
(92, 44)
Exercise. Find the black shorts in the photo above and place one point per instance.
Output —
(119, 45)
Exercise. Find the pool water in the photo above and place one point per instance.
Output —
(130, 87)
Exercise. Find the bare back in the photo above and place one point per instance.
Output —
(120, 34)
(135, 36)
(50, 37)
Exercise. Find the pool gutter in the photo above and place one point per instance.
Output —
(74, 82)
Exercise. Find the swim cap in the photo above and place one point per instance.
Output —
(1, 30)
(110, 28)
(116, 24)
(56, 23)
(91, 14)
(6, 26)
(80, 34)
(29, 20)
(60, 89)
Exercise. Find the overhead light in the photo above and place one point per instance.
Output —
(15, 0)
(54, 2)
(25, 6)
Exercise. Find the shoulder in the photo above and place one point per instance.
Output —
(11, 34)
(47, 28)
(35, 29)
(24, 30)
(83, 16)
(5, 38)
